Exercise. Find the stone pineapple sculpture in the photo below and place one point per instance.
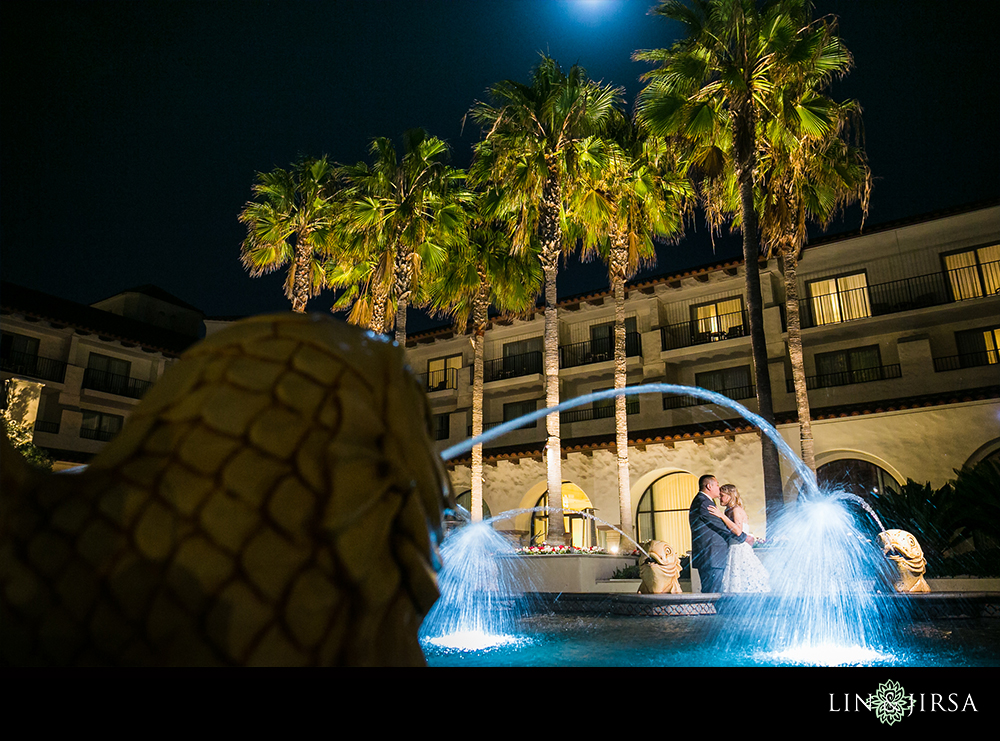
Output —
(274, 500)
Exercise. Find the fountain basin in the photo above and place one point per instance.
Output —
(572, 573)
(693, 630)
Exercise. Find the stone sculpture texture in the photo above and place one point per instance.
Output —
(274, 500)
(661, 571)
(903, 549)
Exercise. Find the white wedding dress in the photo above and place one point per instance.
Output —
(744, 571)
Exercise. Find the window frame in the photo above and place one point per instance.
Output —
(720, 331)
(850, 371)
(445, 381)
(983, 281)
(101, 431)
(844, 310)
(727, 390)
(512, 404)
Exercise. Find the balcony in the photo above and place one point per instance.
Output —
(92, 434)
(703, 331)
(113, 383)
(597, 351)
(893, 297)
(966, 360)
(51, 427)
(439, 380)
(602, 410)
(512, 366)
(738, 393)
(487, 426)
(24, 364)
(847, 378)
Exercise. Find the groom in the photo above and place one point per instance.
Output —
(710, 538)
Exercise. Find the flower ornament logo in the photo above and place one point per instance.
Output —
(890, 702)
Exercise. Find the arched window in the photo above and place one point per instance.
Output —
(464, 500)
(576, 505)
(663, 511)
(863, 478)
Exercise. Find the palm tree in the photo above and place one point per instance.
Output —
(481, 272)
(527, 158)
(713, 88)
(401, 211)
(632, 191)
(290, 225)
(812, 170)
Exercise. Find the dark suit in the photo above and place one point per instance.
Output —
(710, 539)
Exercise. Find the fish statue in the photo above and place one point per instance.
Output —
(274, 500)
(903, 549)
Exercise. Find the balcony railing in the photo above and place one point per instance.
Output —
(439, 380)
(114, 383)
(736, 394)
(25, 364)
(598, 411)
(703, 331)
(91, 434)
(893, 297)
(487, 426)
(50, 427)
(512, 366)
(597, 351)
(847, 378)
(967, 360)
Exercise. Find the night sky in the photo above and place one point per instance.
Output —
(131, 132)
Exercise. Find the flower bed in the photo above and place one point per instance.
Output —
(560, 550)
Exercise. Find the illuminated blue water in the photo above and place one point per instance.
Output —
(695, 641)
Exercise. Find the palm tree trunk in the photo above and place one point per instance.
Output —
(300, 281)
(480, 319)
(790, 265)
(743, 123)
(379, 298)
(403, 286)
(550, 236)
(619, 259)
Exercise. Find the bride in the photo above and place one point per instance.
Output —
(744, 571)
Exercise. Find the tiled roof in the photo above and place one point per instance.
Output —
(32, 303)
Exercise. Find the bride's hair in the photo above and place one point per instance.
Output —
(734, 495)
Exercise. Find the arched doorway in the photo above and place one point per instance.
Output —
(576, 505)
(862, 478)
(663, 511)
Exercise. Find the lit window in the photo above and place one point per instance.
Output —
(442, 373)
(974, 273)
(719, 319)
(576, 506)
(663, 511)
(843, 299)
(978, 346)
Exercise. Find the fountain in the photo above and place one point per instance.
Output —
(832, 602)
